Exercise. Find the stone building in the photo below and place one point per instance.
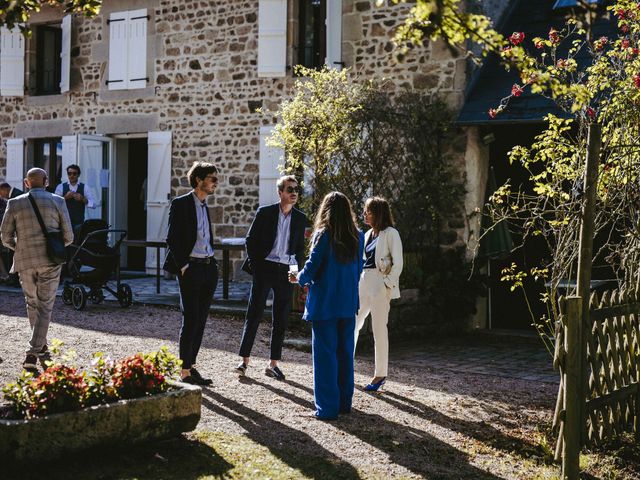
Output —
(139, 92)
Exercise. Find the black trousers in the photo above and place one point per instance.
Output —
(268, 276)
(197, 286)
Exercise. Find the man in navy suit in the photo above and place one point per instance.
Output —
(190, 258)
(275, 241)
(8, 192)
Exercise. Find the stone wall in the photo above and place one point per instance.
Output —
(204, 87)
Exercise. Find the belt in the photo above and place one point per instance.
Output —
(277, 265)
(205, 261)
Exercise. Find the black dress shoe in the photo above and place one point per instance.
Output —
(199, 379)
(274, 372)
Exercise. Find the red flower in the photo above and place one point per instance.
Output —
(625, 43)
(621, 13)
(561, 64)
(539, 43)
(516, 38)
(591, 113)
(624, 28)
(635, 51)
(493, 112)
(554, 36)
(636, 80)
(600, 43)
(516, 90)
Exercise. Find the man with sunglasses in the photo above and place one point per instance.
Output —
(275, 241)
(190, 258)
(77, 196)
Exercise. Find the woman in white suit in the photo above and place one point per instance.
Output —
(379, 282)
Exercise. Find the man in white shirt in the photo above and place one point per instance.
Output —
(76, 194)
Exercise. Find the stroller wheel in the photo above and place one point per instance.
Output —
(125, 296)
(96, 296)
(67, 293)
(79, 298)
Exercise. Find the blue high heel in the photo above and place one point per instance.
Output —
(374, 387)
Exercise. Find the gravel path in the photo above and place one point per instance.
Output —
(429, 422)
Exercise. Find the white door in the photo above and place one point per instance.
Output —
(94, 159)
(158, 192)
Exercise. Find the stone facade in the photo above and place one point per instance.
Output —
(204, 87)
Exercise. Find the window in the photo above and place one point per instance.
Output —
(48, 61)
(312, 36)
(47, 154)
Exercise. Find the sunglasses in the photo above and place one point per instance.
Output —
(292, 189)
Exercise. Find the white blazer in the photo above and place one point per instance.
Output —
(388, 258)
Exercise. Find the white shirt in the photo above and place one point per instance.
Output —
(74, 188)
(280, 251)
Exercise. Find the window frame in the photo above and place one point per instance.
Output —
(40, 87)
(320, 34)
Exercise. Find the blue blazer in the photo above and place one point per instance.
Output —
(333, 286)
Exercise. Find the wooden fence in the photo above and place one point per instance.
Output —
(599, 364)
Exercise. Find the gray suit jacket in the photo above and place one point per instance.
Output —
(20, 230)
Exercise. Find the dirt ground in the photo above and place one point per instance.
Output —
(429, 423)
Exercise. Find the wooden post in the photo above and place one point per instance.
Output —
(572, 432)
(585, 253)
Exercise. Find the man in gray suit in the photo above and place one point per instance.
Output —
(39, 276)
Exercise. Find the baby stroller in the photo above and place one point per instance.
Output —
(91, 248)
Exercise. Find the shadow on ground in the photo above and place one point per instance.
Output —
(178, 458)
(412, 448)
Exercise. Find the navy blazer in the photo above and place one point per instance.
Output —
(333, 286)
(262, 236)
(183, 231)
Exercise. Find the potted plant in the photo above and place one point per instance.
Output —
(111, 403)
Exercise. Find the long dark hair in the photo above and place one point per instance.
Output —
(380, 211)
(336, 217)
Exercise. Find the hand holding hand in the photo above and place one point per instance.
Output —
(69, 195)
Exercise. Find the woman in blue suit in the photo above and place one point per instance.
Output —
(332, 273)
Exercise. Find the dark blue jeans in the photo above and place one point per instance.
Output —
(197, 286)
(270, 276)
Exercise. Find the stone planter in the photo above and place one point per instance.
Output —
(114, 424)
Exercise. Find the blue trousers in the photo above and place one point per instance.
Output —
(333, 344)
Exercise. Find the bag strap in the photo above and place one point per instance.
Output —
(35, 209)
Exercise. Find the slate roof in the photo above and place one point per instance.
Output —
(492, 83)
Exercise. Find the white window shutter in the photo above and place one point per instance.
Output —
(65, 54)
(158, 190)
(69, 153)
(118, 27)
(334, 34)
(137, 49)
(15, 163)
(11, 62)
(270, 159)
(272, 38)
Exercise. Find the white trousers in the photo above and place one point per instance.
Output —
(374, 300)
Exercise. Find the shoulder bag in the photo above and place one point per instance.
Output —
(55, 241)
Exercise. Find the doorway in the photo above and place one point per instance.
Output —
(130, 207)
(509, 309)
